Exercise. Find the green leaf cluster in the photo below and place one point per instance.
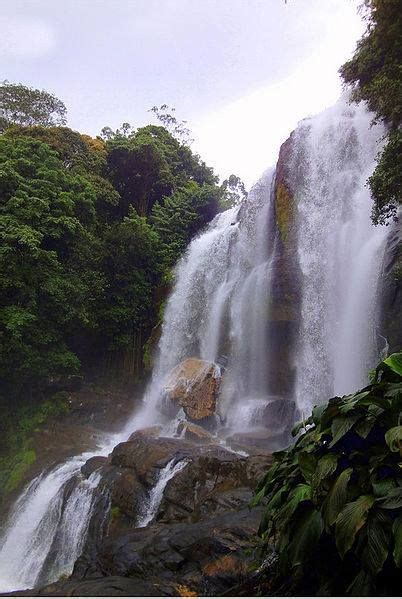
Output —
(333, 500)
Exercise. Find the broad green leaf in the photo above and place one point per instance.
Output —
(394, 361)
(392, 501)
(317, 413)
(297, 428)
(397, 532)
(300, 493)
(378, 541)
(350, 402)
(364, 427)
(350, 520)
(258, 497)
(394, 390)
(305, 537)
(393, 438)
(307, 463)
(341, 425)
(336, 497)
(382, 487)
(360, 586)
(325, 467)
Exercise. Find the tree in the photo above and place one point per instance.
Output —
(183, 215)
(28, 106)
(374, 76)
(149, 164)
(233, 192)
(178, 129)
(47, 279)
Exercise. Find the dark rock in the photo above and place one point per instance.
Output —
(262, 441)
(391, 292)
(145, 454)
(204, 557)
(93, 464)
(106, 586)
(195, 433)
(279, 414)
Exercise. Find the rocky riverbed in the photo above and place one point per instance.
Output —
(200, 533)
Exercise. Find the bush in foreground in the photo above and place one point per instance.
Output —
(333, 512)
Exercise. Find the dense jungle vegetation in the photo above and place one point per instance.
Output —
(90, 229)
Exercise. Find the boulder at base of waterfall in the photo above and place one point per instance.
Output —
(193, 385)
(255, 442)
(195, 433)
(279, 414)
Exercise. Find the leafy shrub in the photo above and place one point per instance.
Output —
(334, 498)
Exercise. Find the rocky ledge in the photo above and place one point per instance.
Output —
(177, 521)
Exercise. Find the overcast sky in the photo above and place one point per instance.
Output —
(242, 72)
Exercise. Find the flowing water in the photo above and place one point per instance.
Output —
(340, 253)
(219, 310)
(151, 506)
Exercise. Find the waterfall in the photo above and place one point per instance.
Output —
(48, 525)
(339, 252)
(154, 500)
(219, 304)
(220, 310)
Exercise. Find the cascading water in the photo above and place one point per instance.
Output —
(151, 506)
(219, 311)
(51, 517)
(339, 251)
(219, 304)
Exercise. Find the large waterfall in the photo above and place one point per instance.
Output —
(220, 310)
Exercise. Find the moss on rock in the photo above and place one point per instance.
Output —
(283, 210)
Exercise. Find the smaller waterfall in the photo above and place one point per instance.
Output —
(34, 524)
(47, 529)
(156, 494)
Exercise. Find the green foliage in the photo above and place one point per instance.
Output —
(21, 462)
(334, 498)
(24, 105)
(374, 73)
(233, 192)
(386, 180)
(149, 164)
(17, 455)
(182, 215)
(47, 220)
(178, 129)
(131, 264)
(83, 265)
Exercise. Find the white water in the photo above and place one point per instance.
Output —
(219, 301)
(43, 521)
(151, 506)
(340, 253)
(219, 308)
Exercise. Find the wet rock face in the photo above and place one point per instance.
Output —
(205, 557)
(391, 291)
(201, 536)
(194, 386)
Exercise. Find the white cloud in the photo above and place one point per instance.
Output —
(25, 38)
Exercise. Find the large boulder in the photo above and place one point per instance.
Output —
(193, 385)
(205, 557)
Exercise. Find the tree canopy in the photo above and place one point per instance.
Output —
(90, 229)
(28, 106)
(374, 74)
